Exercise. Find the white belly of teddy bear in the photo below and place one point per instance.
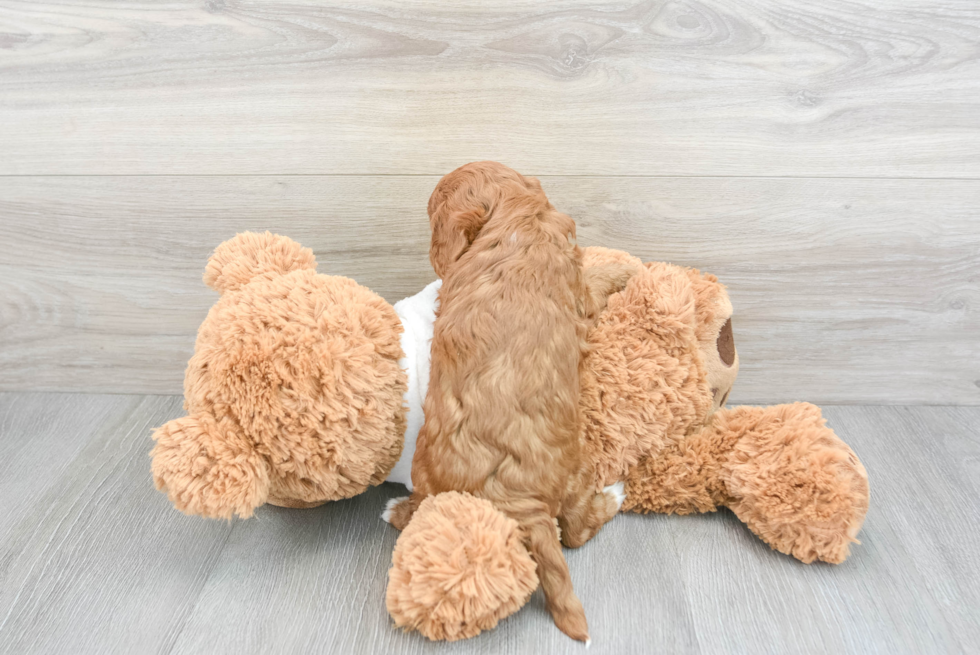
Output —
(418, 314)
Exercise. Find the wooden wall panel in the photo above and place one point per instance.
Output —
(846, 291)
(709, 87)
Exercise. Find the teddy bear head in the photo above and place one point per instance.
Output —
(662, 360)
(294, 391)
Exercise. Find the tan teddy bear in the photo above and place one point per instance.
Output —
(306, 388)
(661, 365)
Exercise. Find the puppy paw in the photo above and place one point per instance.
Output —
(625, 273)
(604, 280)
(617, 492)
(390, 507)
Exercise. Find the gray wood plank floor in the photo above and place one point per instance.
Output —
(94, 560)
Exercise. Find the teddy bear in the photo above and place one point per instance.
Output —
(306, 388)
(660, 366)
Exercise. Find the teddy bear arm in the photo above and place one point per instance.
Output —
(791, 479)
(208, 467)
(682, 478)
(780, 469)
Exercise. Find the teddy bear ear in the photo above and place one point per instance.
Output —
(726, 344)
(715, 336)
(209, 468)
(245, 256)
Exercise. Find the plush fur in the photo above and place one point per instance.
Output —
(462, 553)
(660, 364)
(294, 393)
(294, 396)
(780, 469)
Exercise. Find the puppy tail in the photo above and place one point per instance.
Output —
(541, 534)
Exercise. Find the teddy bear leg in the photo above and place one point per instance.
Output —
(681, 478)
(209, 468)
(603, 280)
(458, 568)
(792, 481)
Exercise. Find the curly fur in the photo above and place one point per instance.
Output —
(294, 397)
(501, 413)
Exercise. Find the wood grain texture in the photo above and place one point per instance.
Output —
(846, 291)
(99, 562)
(91, 561)
(658, 87)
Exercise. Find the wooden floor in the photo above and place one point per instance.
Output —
(94, 560)
(821, 157)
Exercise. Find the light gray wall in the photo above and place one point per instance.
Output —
(822, 159)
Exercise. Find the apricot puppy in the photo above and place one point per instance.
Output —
(501, 413)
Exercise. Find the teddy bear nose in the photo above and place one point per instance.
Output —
(726, 344)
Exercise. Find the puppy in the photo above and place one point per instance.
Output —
(501, 413)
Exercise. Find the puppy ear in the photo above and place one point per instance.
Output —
(452, 236)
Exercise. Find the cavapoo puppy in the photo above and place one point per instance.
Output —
(501, 414)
